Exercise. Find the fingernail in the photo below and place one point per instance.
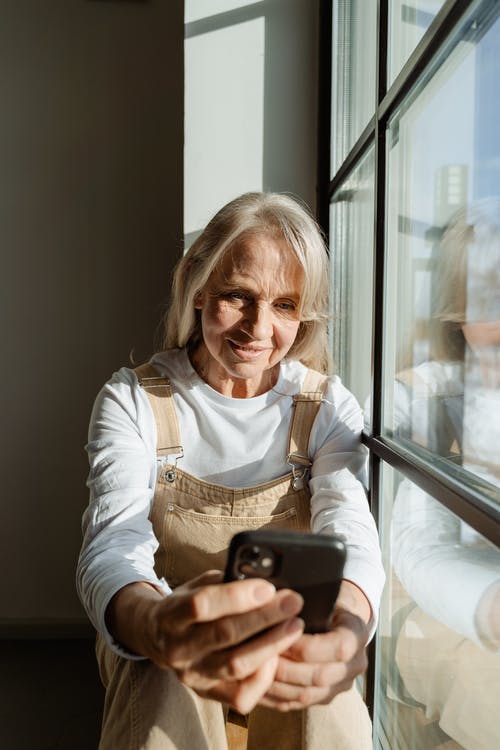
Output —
(294, 626)
(263, 592)
(291, 604)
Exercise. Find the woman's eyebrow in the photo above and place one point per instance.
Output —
(244, 283)
(235, 285)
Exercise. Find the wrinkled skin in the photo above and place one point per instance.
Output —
(241, 643)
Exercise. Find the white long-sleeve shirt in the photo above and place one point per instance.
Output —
(430, 543)
(226, 441)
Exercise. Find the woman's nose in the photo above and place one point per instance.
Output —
(259, 321)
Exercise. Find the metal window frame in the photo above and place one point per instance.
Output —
(470, 505)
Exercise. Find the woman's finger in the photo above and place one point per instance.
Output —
(189, 645)
(196, 603)
(242, 661)
(347, 639)
(312, 675)
(242, 695)
(280, 692)
(248, 692)
(284, 697)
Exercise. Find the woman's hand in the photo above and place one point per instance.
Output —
(318, 667)
(222, 640)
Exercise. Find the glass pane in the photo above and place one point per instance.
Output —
(438, 642)
(408, 22)
(353, 73)
(351, 248)
(442, 316)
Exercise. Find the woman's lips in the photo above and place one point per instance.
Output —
(244, 351)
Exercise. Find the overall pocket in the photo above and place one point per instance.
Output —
(193, 542)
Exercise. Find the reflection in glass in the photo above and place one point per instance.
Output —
(408, 22)
(353, 73)
(351, 248)
(438, 664)
(442, 349)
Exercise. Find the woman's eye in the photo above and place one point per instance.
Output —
(235, 296)
(286, 306)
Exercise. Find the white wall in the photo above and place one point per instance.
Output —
(251, 102)
(91, 95)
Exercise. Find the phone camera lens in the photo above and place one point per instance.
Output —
(254, 561)
(250, 554)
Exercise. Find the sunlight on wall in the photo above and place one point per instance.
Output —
(194, 10)
(224, 108)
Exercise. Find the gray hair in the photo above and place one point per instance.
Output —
(274, 214)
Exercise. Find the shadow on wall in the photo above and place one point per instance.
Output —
(251, 100)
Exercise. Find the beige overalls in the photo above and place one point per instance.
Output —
(148, 708)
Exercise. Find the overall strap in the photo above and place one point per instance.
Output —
(159, 393)
(306, 405)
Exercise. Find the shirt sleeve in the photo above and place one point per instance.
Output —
(118, 540)
(446, 577)
(339, 503)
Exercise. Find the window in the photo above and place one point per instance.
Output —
(353, 73)
(437, 666)
(412, 207)
(351, 243)
(408, 22)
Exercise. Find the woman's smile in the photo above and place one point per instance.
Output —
(246, 351)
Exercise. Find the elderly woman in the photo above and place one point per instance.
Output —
(232, 426)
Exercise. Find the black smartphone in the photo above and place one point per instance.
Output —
(311, 564)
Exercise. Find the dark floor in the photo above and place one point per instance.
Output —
(50, 695)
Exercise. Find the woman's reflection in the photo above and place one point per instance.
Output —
(448, 641)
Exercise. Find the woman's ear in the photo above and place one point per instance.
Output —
(198, 301)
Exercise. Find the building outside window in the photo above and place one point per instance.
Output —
(410, 198)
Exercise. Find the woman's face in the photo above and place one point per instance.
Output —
(249, 316)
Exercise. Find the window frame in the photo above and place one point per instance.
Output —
(465, 501)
